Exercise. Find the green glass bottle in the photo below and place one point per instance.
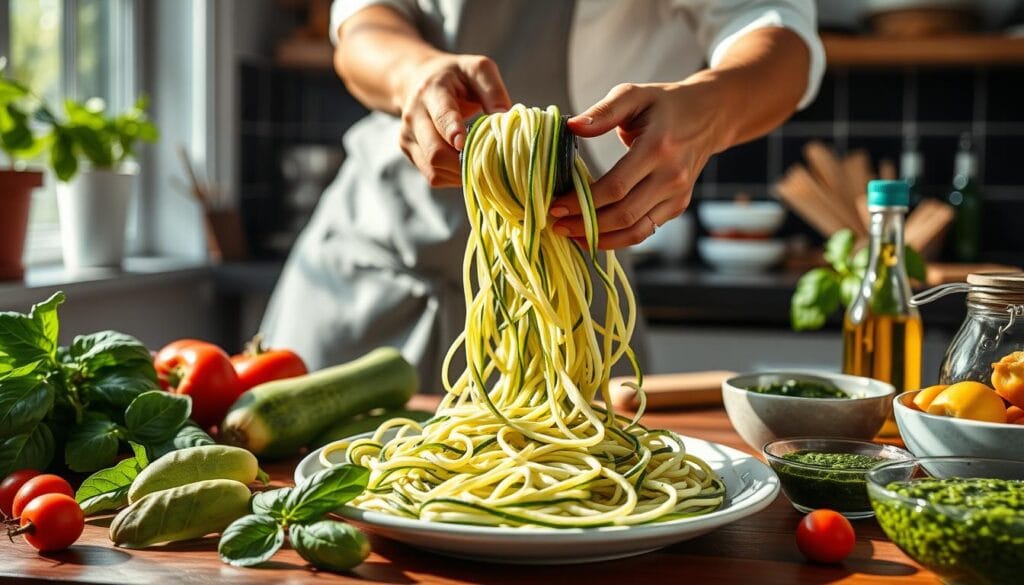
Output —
(966, 200)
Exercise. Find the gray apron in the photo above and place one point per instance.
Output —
(380, 263)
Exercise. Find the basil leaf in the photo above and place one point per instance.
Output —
(330, 545)
(45, 315)
(9, 371)
(107, 489)
(250, 540)
(120, 389)
(92, 445)
(917, 268)
(838, 249)
(324, 491)
(27, 451)
(107, 348)
(849, 286)
(816, 297)
(156, 415)
(271, 502)
(22, 340)
(189, 435)
(23, 403)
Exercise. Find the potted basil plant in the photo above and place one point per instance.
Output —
(91, 153)
(19, 144)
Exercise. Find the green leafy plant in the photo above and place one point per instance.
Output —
(88, 133)
(17, 107)
(253, 539)
(86, 400)
(822, 291)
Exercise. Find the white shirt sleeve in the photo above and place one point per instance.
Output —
(342, 10)
(720, 23)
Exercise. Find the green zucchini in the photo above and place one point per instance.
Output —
(365, 424)
(277, 418)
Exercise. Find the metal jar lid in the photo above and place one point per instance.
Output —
(996, 291)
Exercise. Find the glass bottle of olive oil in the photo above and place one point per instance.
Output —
(882, 331)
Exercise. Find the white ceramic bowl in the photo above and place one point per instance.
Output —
(756, 218)
(672, 242)
(761, 418)
(741, 256)
(930, 435)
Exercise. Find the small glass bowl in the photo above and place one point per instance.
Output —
(810, 487)
(959, 543)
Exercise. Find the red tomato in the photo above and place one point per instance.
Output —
(10, 486)
(52, 522)
(825, 536)
(38, 486)
(202, 371)
(258, 365)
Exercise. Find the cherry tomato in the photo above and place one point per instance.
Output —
(825, 536)
(258, 364)
(38, 486)
(52, 522)
(204, 372)
(10, 486)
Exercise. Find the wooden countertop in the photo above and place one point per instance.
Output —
(758, 549)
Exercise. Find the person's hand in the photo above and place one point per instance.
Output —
(671, 130)
(443, 92)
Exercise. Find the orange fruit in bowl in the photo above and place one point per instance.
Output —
(969, 400)
(924, 398)
(1015, 415)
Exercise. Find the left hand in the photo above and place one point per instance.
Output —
(671, 130)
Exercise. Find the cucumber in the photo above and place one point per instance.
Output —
(277, 418)
(364, 424)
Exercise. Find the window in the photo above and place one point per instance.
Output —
(68, 48)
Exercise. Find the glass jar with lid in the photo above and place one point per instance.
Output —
(993, 328)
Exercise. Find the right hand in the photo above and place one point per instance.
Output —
(442, 93)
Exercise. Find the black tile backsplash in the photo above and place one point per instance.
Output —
(874, 109)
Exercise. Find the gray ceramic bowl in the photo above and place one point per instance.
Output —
(930, 435)
(760, 418)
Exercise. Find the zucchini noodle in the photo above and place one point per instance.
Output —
(519, 439)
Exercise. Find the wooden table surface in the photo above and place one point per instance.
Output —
(758, 549)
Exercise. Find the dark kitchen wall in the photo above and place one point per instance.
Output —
(877, 110)
(871, 109)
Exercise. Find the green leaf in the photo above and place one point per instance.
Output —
(22, 340)
(94, 144)
(107, 489)
(108, 348)
(23, 403)
(8, 371)
(324, 491)
(119, 389)
(15, 134)
(917, 268)
(45, 315)
(156, 416)
(860, 262)
(849, 286)
(250, 540)
(271, 502)
(62, 154)
(815, 298)
(330, 545)
(27, 451)
(189, 435)
(838, 249)
(92, 445)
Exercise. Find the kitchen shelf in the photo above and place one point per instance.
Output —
(872, 51)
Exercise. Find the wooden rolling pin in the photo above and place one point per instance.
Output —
(666, 391)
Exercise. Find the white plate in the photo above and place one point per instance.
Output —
(750, 486)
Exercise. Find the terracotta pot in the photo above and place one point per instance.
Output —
(15, 200)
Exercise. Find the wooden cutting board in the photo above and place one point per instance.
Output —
(945, 272)
(667, 391)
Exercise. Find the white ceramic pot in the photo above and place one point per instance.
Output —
(93, 209)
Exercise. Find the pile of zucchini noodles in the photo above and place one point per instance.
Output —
(518, 440)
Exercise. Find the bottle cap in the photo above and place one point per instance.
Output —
(888, 193)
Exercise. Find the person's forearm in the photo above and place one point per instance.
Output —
(377, 49)
(758, 84)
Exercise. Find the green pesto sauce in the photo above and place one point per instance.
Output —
(847, 461)
(799, 389)
(832, 486)
(982, 544)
